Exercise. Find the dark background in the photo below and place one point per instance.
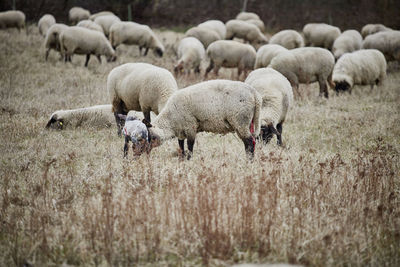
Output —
(276, 14)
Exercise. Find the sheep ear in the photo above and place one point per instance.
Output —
(122, 116)
(147, 123)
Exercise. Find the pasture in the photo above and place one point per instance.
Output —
(329, 197)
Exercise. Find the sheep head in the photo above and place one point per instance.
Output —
(55, 122)
(342, 86)
(267, 132)
(159, 51)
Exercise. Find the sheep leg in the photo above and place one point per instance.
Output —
(146, 51)
(140, 50)
(279, 136)
(87, 60)
(147, 115)
(209, 68)
(99, 58)
(323, 89)
(249, 146)
(181, 148)
(190, 144)
(126, 146)
(197, 69)
(47, 54)
(120, 122)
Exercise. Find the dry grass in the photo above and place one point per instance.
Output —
(330, 197)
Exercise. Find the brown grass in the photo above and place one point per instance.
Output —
(329, 197)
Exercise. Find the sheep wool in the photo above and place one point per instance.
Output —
(52, 40)
(388, 42)
(266, 53)
(247, 16)
(45, 23)
(259, 23)
(90, 25)
(320, 34)
(77, 14)
(190, 54)
(215, 25)
(373, 28)
(347, 42)
(205, 35)
(246, 31)
(106, 22)
(99, 14)
(12, 19)
(287, 38)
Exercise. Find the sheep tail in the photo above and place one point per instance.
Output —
(256, 122)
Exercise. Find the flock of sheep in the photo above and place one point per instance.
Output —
(254, 108)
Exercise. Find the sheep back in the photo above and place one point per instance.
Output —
(247, 16)
(90, 25)
(373, 28)
(287, 38)
(266, 53)
(388, 42)
(244, 30)
(215, 25)
(320, 34)
(347, 42)
(203, 34)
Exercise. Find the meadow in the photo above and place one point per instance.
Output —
(329, 197)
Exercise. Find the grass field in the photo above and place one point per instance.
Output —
(329, 197)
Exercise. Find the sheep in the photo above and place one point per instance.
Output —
(45, 23)
(365, 67)
(244, 30)
(79, 40)
(306, 65)
(141, 87)
(373, 28)
(132, 33)
(77, 14)
(106, 22)
(247, 16)
(203, 34)
(347, 42)
(217, 106)
(277, 96)
(215, 25)
(90, 25)
(259, 23)
(136, 131)
(190, 54)
(52, 40)
(12, 19)
(287, 38)
(320, 34)
(266, 53)
(99, 14)
(388, 42)
(230, 54)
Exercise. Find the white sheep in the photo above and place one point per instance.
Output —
(131, 33)
(204, 35)
(347, 42)
(45, 23)
(230, 54)
(373, 28)
(388, 42)
(247, 16)
(82, 41)
(306, 65)
(259, 23)
(77, 14)
(364, 67)
(141, 87)
(244, 30)
(52, 40)
(12, 19)
(287, 38)
(90, 25)
(320, 34)
(216, 106)
(266, 53)
(190, 54)
(277, 96)
(106, 22)
(99, 14)
(215, 25)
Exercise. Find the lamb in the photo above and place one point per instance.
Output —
(45, 23)
(77, 14)
(365, 67)
(347, 42)
(12, 19)
(203, 34)
(320, 34)
(79, 40)
(247, 16)
(190, 54)
(217, 106)
(90, 25)
(141, 87)
(266, 53)
(277, 96)
(136, 131)
(106, 22)
(373, 28)
(52, 40)
(244, 30)
(287, 38)
(305, 65)
(230, 54)
(388, 42)
(132, 33)
(215, 25)
(99, 14)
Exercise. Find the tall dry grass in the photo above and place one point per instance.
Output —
(329, 197)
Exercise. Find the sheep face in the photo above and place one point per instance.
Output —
(267, 132)
(55, 123)
(158, 51)
(112, 58)
(342, 86)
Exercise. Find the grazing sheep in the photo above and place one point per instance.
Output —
(215, 25)
(141, 87)
(247, 16)
(244, 30)
(287, 38)
(45, 23)
(131, 33)
(217, 106)
(12, 19)
(277, 96)
(266, 53)
(190, 54)
(230, 54)
(90, 25)
(106, 22)
(347, 42)
(365, 67)
(306, 65)
(373, 28)
(258, 23)
(203, 34)
(77, 14)
(82, 41)
(388, 42)
(320, 34)
(52, 40)
(99, 14)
